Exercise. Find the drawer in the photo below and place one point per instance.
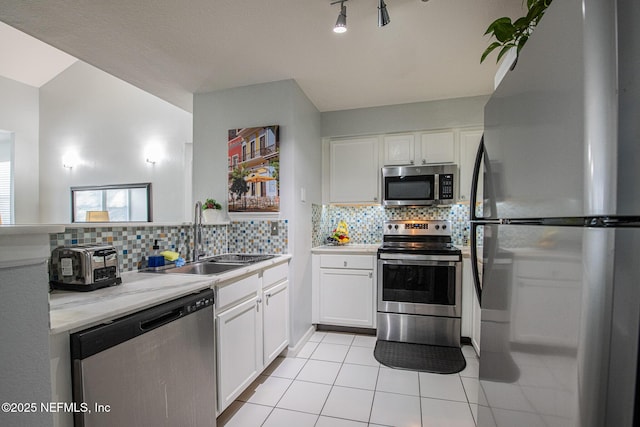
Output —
(364, 262)
(237, 291)
(275, 274)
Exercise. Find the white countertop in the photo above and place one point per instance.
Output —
(25, 244)
(350, 248)
(10, 229)
(466, 250)
(74, 311)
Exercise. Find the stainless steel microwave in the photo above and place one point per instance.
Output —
(419, 185)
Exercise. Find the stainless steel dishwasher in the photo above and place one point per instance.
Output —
(152, 368)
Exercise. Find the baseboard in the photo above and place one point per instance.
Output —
(293, 350)
(348, 329)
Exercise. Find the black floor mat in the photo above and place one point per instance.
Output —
(420, 357)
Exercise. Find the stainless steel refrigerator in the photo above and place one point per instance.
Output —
(556, 226)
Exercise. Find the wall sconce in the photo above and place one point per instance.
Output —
(69, 160)
(154, 152)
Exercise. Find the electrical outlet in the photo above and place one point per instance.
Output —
(274, 227)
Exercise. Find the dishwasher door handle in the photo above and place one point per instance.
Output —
(162, 319)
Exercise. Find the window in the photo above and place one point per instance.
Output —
(111, 203)
(6, 177)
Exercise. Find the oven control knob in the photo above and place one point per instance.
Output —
(437, 227)
(444, 227)
(395, 226)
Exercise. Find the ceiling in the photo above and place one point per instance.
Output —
(28, 60)
(172, 49)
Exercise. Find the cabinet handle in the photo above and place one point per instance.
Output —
(345, 263)
(258, 302)
(371, 275)
(375, 198)
(411, 162)
(424, 161)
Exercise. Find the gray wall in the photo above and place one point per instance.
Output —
(417, 116)
(19, 114)
(113, 127)
(279, 103)
(25, 374)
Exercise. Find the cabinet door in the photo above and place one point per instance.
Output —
(470, 306)
(399, 150)
(354, 170)
(475, 320)
(438, 147)
(275, 314)
(239, 350)
(469, 142)
(346, 297)
(467, 289)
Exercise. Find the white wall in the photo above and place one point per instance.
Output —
(279, 103)
(19, 114)
(417, 116)
(109, 125)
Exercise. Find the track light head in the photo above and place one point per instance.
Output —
(341, 23)
(383, 15)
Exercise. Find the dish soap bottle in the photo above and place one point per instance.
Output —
(155, 259)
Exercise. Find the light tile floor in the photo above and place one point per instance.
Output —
(334, 381)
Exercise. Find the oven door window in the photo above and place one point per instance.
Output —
(419, 284)
(420, 187)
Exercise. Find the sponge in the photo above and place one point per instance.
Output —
(170, 255)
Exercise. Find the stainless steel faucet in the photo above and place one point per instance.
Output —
(197, 233)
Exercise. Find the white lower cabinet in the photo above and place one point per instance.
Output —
(344, 290)
(470, 306)
(275, 316)
(252, 329)
(239, 350)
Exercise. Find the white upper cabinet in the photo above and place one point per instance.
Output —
(354, 170)
(438, 147)
(399, 150)
(469, 142)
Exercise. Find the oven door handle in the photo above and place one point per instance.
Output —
(419, 258)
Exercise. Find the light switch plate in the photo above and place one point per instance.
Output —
(274, 227)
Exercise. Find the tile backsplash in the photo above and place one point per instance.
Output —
(134, 242)
(365, 222)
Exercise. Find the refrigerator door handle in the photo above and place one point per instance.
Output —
(475, 179)
(474, 262)
(473, 218)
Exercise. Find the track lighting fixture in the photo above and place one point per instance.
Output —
(383, 15)
(341, 23)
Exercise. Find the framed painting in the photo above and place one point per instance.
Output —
(254, 169)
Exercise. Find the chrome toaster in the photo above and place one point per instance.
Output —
(84, 267)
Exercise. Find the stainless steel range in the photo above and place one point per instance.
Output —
(419, 283)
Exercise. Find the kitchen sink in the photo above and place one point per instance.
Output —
(213, 265)
(203, 267)
(239, 258)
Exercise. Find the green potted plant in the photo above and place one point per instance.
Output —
(211, 211)
(515, 34)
